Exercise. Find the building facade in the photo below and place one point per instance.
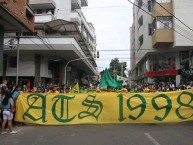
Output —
(161, 43)
(15, 16)
(62, 48)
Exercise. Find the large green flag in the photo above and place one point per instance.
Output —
(107, 80)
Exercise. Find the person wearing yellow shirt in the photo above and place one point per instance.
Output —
(124, 89)
(55, 90)
(67, 90)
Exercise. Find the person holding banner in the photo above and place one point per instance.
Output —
(16, 93)
(2, 95)
(55, 90)
(8, 109)
(109, 89)
(67, 90)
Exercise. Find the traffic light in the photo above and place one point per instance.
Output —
(97, 54)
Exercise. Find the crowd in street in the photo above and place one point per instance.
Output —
(159, 87)
(9, 95)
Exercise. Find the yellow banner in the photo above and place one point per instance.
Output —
(107, 107)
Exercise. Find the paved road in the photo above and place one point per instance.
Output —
(114, 134)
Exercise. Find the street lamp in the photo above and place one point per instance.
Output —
(70, 62)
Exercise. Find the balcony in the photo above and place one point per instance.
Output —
(43, 18)
(76, 4)
(16, 16)
(75, 17)
(29, 13)
(86, 26)
(159, 11)
(162, 38)
(84, 3)
(42, 4)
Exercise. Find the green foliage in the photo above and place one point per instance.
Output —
(117, 68)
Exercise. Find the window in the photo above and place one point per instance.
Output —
(160, 1)
(149, 5)
(150, 29)
(12, 63)
(140, 3)
(140, 21)
(140, 41)
(162, 62)
(164, 1)
(162, 23)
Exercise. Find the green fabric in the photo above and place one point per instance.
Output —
(107, 80)
(83, 91)
(120, 84)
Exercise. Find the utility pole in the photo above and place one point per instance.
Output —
(17, 70)
(122, 69)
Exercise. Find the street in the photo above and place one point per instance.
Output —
(109, 134)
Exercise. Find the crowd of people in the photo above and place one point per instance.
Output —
(9, 94)
(159, 87)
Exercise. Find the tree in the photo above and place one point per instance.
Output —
(117, 68)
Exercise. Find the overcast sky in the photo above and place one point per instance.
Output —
(112, 20)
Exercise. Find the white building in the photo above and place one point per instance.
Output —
(61, 35)
(161, 45)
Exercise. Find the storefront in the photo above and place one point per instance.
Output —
(186, 66)
(161, 67)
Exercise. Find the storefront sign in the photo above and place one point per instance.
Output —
(161, 73)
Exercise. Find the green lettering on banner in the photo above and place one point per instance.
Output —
(34, 98)
(121, 116)
(62, 99)
(142, 106)
(168, 107)
(91, 103)
(184, 94)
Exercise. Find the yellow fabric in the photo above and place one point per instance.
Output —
(56, 92)
(75, 89)
(105, 107)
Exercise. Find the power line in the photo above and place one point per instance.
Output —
(183, 30)
(173, 15)
(176, 25)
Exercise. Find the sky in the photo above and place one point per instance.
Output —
(112, 20)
